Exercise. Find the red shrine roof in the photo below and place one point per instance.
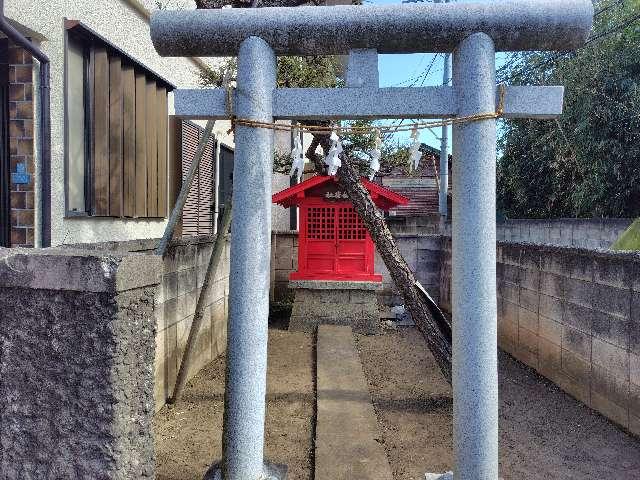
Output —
(381, 196)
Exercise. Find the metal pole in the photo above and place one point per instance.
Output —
(475, 372)
(444, 149)
(244, 410)
(216, 188)
(212, 267)
(444, 152)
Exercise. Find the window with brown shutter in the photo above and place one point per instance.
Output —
(116, 121)
(197, 214)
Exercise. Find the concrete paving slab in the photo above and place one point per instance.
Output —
(347, 446)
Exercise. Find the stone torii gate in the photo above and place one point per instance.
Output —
(473, 32)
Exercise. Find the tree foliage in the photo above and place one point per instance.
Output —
(293, 72)
(587, 163)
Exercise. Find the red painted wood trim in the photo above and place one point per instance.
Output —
(384, 198)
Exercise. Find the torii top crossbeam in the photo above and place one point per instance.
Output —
(514, 25)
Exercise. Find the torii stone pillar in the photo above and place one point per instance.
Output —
(473, 263)
(473, 32)
(249, 274)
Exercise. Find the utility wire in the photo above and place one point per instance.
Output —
(424, 76)
(626, 23)
(608, 7)
(599, 37)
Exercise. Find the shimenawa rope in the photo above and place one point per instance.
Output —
(235, 121)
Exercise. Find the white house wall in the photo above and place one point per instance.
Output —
(127, 28)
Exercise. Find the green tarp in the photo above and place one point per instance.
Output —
(630, 238)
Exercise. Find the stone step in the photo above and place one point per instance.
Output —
(346, 429)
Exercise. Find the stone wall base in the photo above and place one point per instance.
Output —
(335, 303)
(77, 349)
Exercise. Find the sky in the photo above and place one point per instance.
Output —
(409, 70)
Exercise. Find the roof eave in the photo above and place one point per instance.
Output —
(289, 196)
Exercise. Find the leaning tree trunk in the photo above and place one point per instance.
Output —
(432, 324)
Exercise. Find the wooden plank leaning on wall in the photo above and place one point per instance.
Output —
(115, 137)
(141, 146)
(129, 140)
(163, 119)
(175, 167)
(100, 135)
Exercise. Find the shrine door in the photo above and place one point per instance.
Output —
(336, 242)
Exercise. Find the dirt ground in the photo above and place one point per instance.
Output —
(189, 435)
(544, 433)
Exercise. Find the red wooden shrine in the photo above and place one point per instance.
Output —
(333, 242)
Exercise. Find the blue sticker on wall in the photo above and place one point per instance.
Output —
(20, 176)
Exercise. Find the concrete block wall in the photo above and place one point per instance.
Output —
(284, 260)
(574, 316)
(423, 255)
(572, 232)
(184, 267)
(445, 275)
(423, 225)
(76, 356)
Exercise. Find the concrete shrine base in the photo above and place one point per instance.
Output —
(331, 302)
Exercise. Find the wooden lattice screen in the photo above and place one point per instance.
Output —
(350, 227)
(321, 223)
(329, 223)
